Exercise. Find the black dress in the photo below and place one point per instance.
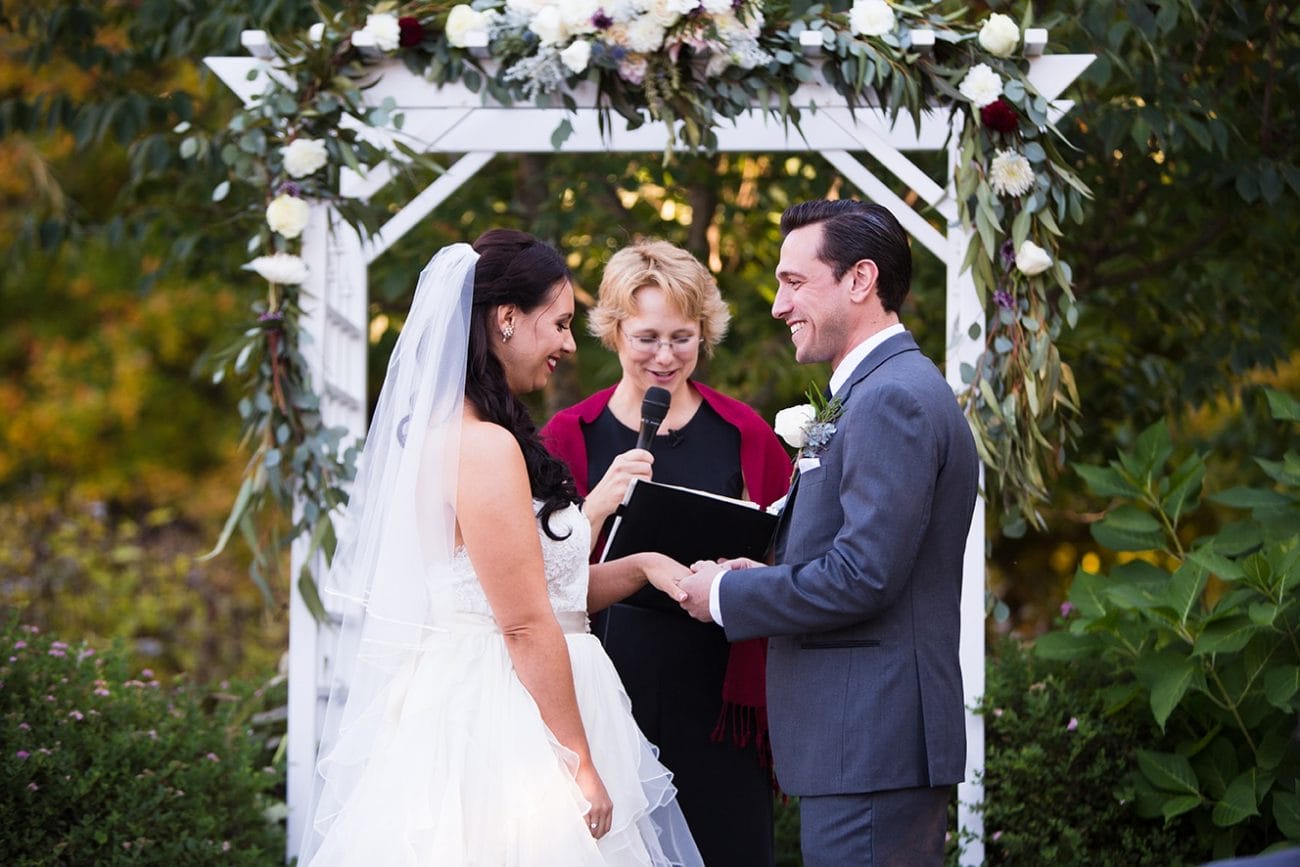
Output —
(673, 666)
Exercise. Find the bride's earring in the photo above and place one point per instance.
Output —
(507, 333)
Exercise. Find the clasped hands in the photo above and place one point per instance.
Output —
(692, 589)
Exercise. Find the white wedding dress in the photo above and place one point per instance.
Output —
(463, 771)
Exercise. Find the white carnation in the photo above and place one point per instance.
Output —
(981, 85)
(548, 26)
(792, 424)
(999, 36)
(644, 35)
(1010, 174)
(304, 156)
(281, 268)
(576, 56)
(384, 31)
(1032, 259)
(463, 20)
(287, 215)
(871, 18)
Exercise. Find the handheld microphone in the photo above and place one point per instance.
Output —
(654, 407)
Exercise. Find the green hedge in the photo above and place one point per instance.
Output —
(101, 765)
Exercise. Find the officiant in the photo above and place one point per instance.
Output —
(700, 699)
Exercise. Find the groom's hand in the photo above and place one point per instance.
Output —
(697, 586)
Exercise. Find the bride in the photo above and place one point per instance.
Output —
(475, 720)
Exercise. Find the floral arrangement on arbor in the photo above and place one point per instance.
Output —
(692, 64)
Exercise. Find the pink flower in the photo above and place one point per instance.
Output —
(213, 757)
(54, 651)
(21, 754)
(59, 645)
(1066, 609)
(31, 787)
(997, 711)
(19, 644)
(77, 715)
(146, 673)
(24, 727)
(1072, 724)
(102, 691)
(996, 836)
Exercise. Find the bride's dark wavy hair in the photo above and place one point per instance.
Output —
(515, 268)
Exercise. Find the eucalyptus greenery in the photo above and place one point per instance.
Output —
(1021, 398)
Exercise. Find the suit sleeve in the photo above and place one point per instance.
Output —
(889, 465)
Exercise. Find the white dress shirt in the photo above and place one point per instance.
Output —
(839, 376)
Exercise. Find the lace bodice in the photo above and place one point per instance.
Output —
(566, 566)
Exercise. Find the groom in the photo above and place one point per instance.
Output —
(863, 680)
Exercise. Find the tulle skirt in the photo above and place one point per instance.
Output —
(463, 771)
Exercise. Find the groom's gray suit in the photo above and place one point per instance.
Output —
(863, 679)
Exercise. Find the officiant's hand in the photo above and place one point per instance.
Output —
(608, 493)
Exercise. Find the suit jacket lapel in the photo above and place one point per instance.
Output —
(895, 345)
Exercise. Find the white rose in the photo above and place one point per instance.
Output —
(662, 12)
(548, 26)
(463, 20)
(304, 156)
(981, 85)
(1032, 259)
(282, 268)
(792, 424)
(287, 215)
(716, 7)
(384, 31)
(871, 18)
(999, 35)
(576, 56)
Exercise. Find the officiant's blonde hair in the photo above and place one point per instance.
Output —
(686, 283)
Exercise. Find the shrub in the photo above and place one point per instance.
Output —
(98, 766)
(1203, 635)
(1055, 769)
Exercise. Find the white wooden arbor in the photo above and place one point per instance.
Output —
(454, 120)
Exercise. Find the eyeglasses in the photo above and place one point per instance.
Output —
(647, 345)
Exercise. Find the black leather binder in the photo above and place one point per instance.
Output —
(687, 525)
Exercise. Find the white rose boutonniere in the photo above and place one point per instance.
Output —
(809, 426)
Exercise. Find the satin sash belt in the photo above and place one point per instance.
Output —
(571, 622)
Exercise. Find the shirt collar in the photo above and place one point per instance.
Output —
(851, 361)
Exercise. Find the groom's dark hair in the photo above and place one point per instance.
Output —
(853, 231)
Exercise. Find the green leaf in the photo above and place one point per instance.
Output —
(1225, 636)
(1239, 802)
(1178, 805)
(1207, 558)
(1107, 481)
(1087, 592)
(232, 521)
(1064, 646)
(1168, 675)
(1281, 685)
(1251, 498)
(1128, 528)
(1184, 486)
(1286, 810)
(1184, 590)
(311, 595)
(1283, 406)
(1168, 772)
(1216, 766)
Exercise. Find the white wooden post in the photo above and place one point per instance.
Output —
(333, 343)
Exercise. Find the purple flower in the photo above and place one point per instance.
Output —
(1004, 299)
(24, 727)
(1067, 609)
(31, 787)
(19, 644)
(213, 757)
(77, 715)
(601, 21)
(271, 316)
(146, 673)
(996, 836)
(1007, 255)
(101, 691)
(1072, 724)
(290, 188)
(22, 754)
(54, 651)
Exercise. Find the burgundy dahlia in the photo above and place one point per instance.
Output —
(412, 31)
(1000, 116)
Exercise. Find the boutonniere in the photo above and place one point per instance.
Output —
(810, 426)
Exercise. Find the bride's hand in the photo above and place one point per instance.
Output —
(601, 814)
(664, 573)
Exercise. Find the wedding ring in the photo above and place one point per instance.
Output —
(594, 825)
